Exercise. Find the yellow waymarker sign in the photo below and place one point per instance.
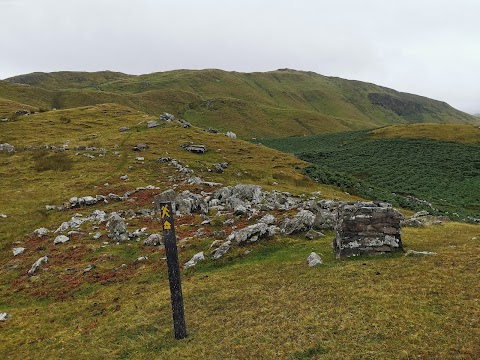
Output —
(167, 225)
(165, 211)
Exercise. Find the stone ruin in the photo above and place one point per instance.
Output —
(367, 228)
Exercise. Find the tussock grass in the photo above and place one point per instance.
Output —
(466, 134)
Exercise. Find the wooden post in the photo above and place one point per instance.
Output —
(173, 269)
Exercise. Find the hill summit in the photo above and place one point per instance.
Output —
(270, 104)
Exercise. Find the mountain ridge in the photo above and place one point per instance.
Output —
(259, 104)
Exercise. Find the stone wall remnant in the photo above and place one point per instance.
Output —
(367, 228)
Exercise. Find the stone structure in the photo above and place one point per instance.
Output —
(367, 228)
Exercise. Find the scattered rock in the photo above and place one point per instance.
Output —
(41, 232)
(267, 219)
(18, 251)
(231, 135)
(5, 316)
(152, 124)
(89, 268)
(314, 259)
(301, 222)
(7, 147)
(153, 240)
(22, 112)
(221, 250)
(240, 210)
(123, 129)
(212, 131)
(36, 265)
(253, 233)
(325, 220)
(3, 216)
(141, 259)
(167, 117)
(124, 177)
(198, 149)
(417, 253)
(140, 147)
(97, 236)
(117, 228)
(313, 234)
(61, 239)
(194, 260)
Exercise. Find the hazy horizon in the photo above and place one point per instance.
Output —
(429, 48)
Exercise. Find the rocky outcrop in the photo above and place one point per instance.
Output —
(36, 265)
(117, 228)
(194, 260)
(7, 147)
(301, 222)
(367, 228)
(314, 259)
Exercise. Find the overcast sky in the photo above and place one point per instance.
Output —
(426, 47)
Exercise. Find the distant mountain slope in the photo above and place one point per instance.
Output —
(277, 103)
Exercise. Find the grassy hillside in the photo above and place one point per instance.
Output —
(271, 104)
(437, 163)
(261, 301)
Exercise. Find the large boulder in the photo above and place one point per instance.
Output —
(187, 203)
(367, 228)
(253, 233)
(117, 228)
(301, 222)
(325, 220)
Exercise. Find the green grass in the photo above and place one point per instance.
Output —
(261, 305)
(447, 174)
(271, 104)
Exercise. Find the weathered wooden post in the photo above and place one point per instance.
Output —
(166, 212)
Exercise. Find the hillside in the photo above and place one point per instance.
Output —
(102, 297)
(437, 164)
(271, 104)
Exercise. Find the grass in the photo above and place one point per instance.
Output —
(270, 304)
(445, 173)
(272, 104)
(259, 305)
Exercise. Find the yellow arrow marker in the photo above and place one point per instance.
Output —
(165, 211)
(167, 225)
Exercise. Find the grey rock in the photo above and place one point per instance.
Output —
(231, 135)
(89, 268)
(419, 253)
(153, 240)
(325, 220)
(123, 129)
(3, 216)
(61, 239)
(7, 147)
(187, 203)
(41, 232)
(301, 222)
(141, 259)
(18, 251)
(221, 250)
(36, 265)
(138, 232)
(5, 316)
(420, 213)
(152, 124)
(267, 219)
(253, 233)
(124, 177)
(167, 117)
(117, 228)
(239, 210)
(313, 234)
(314, 259)
(97, 236)
(194, 260)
